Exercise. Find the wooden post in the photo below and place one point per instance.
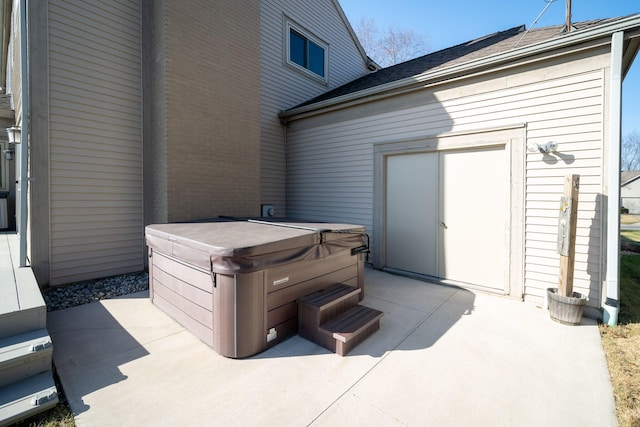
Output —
(567, 234)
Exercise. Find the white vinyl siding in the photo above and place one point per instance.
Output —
(283, 87)
(95, 139)
(630, 195)
(331, 164)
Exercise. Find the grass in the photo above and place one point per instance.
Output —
(622, 347)
(630, 236)
(60, 416)
(622, 343)
(629, 219)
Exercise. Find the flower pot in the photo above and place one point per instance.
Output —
(566, 310)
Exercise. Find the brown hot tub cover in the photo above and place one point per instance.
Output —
(248, 246)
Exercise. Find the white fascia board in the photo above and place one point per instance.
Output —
(466, 68)
(629, 181)
(367, 61)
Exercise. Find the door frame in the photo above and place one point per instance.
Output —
(513, 139)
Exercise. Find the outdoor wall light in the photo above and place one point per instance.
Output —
(549, 147)
(14, 134)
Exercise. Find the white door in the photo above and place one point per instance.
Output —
(412, 213)
(473, 213)
(446, 215)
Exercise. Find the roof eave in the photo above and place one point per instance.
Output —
(466, 68)
(368, 62)
(629, 181)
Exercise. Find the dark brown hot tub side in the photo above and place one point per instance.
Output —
(235, 284)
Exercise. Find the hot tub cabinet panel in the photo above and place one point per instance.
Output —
(238, 295)
(183, 292)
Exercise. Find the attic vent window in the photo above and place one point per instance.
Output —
(306, 52)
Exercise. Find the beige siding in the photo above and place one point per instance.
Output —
(95, 132)
(283, 87)
(330, 163)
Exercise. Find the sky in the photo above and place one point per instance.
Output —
(450, 22)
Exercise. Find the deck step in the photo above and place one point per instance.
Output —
(352, 327)
(24, 355)
(26, 398)
(333, 319)
(22, 321)
(22, 308)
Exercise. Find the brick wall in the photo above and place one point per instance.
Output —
(204, 110)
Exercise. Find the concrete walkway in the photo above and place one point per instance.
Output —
(442, 357)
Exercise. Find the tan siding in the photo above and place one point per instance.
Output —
(282, 87)
(206, 110)
(563, 103)
(95, 139)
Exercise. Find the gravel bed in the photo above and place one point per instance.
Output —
(87, 291)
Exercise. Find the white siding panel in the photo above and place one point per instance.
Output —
(282, 87)
(95, 139)
(323, 157)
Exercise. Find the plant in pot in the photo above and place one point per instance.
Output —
(566, 306)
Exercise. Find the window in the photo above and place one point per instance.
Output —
(306, 52)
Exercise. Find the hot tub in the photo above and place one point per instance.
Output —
(234, 284)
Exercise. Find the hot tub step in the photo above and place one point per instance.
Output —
(321, 306)
(351, 328)
(333, 319)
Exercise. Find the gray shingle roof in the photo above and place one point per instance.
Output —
(492, 44)
(628, 176)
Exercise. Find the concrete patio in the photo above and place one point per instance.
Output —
(443, 356)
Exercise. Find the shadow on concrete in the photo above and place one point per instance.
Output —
(416, 315)
(89, 347)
